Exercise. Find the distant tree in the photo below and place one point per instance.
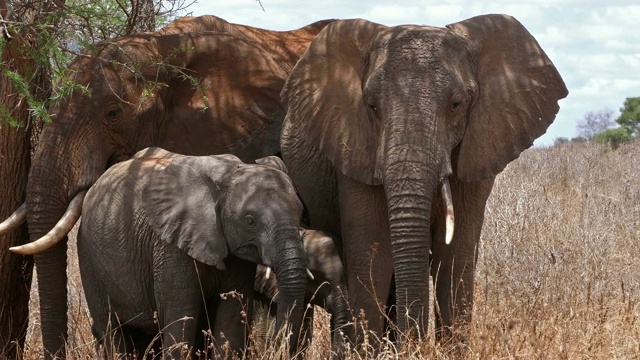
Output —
(560, 141)
(595, 122)
(629, 118)
(578, 139)
(613, 137)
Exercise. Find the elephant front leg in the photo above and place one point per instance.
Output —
(366, 254)
(231, 326)
(453, 266)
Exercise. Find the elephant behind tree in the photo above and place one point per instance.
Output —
(327, 287)
(390, 131)
(165, 234)
(200, 86)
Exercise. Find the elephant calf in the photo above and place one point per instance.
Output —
(326, 289)
(159, 231)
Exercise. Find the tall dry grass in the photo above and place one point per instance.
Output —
(558, 274)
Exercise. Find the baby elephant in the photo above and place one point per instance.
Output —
(163, 235)
(326, 289)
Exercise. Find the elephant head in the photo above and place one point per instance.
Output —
(201, 87)
(215, 206)
(407, 107)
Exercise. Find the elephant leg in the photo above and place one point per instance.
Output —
(453, 266)
(366, 252)
(230, 328)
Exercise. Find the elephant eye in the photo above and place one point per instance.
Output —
(250, 221)
(373, 108)
(113, 112)
(455, 103)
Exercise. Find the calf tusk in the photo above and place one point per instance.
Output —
(267, 273)
(310, 275)
(58, 232)
(448, 204)
(17, 218)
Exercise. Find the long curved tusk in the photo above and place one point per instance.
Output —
(13, 221)
(58, 232)
(448, 204)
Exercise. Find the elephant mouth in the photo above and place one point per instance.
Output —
(251, 253)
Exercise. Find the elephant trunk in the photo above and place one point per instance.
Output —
(340, 315)
(290, 267)
(46, 204)
(53, 181)
(414, 167)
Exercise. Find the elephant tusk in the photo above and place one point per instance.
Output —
(267, 273)
(448, 203)
(310, 275)
(62, 228)
(17, 218)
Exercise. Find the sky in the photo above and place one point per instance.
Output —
(594, 44)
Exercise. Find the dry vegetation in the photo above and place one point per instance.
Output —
(558, 274)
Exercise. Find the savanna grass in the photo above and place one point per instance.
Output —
(558, 273)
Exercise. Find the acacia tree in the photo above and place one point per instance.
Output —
(25, 83)
(630, 116)
(629, 125)
(38, 39)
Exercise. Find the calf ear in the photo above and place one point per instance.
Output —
(273, 162)
(519, 89)
(181, 203)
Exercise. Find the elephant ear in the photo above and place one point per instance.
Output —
(273, 162)
(180, 203)
(324, 99)
(519, 89)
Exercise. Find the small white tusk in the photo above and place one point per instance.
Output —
(448, 205)
(59, 231)
(267, 273)
(13, 221)
(310, 275)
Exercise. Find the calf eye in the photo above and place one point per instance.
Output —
(250, 221)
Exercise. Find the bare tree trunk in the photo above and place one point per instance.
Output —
(142, 17)
(15, 159)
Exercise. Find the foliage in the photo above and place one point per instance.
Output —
(62, 29)
(613, 138)
(560, 141)
(630, 116)
(600, 127)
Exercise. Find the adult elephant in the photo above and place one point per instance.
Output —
(392, 130)
(185, 89)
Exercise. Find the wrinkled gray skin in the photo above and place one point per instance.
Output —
(181, 88)
(378, 118)
(327, 288)
(166, 233)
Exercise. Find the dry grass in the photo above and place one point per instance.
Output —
(558, 274)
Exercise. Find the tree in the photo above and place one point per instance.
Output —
(629, 118)
(613, 137)
(595, 122)
(24, 83)
(38, 38)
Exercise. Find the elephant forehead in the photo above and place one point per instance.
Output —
(417, 42)
(262, 185)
